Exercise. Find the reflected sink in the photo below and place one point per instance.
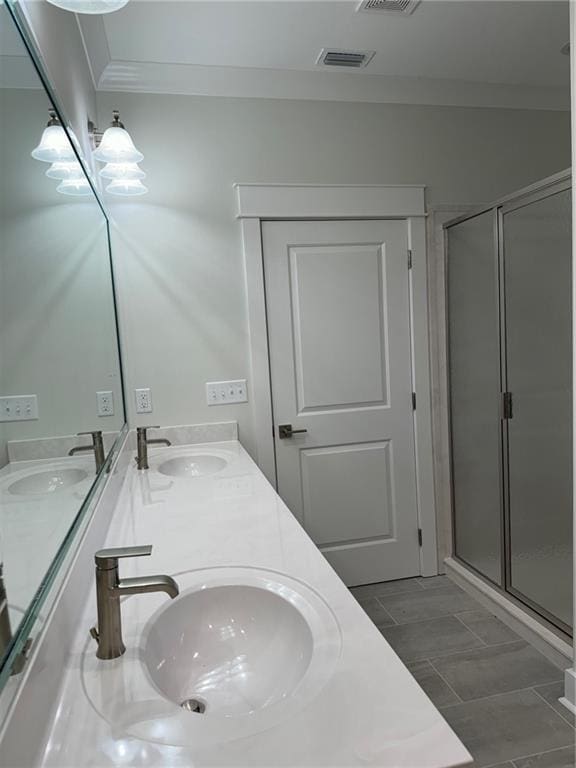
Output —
(231, 649)
(47, 481)
(193, 465)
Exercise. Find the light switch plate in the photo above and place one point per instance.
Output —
(19, 408)
(225, 392)
(143, 400)
(105, 402)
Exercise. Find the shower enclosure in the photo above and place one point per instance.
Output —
(510, 368)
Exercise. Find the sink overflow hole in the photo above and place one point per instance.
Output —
(194, 705)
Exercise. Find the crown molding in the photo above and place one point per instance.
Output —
(193, 80)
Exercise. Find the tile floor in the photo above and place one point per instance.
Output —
(497, 692)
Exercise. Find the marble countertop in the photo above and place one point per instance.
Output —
(370, 711)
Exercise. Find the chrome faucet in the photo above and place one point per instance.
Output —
(142, 444)
(110, 588)
(97, 446)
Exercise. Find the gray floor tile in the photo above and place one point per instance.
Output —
(386, 588)
(503, 765)
(488, 628)
(496, 669)
(427, 604)
(432, 684)
(559, 758)
(422, 639)
(376, 611)
(501, 728)
(551, 693)
(434, 582)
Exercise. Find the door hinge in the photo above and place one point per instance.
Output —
(413, 401)
(419, 537)
(507, 405)
(409, 259)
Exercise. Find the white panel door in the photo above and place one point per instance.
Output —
(337, 298)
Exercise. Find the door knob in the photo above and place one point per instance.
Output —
(285, 431)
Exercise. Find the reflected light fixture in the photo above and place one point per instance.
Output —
(68, 169)
(90, 6)
(122, 171)
(116, 145)
(76, 187)
(126, 187)
(54, 145)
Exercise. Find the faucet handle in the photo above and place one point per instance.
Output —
(106, 559)
(94, 432)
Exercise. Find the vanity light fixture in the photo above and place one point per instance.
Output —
(90, 6)
(126, 187)
(116, 149)
(54, 145)
(116, 145)
(77, 187)
(68, 169)
(129, 171)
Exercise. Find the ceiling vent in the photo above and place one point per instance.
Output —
(398, 7)
(331, 57)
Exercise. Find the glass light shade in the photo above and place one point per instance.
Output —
(126, 187)
(54, 146)
(117, 147)
(90, 6)
(127, 171)
(70, 169)
(77, 187)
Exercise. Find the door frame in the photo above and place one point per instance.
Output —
(261, 202)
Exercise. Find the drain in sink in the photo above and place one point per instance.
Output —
(194, 705)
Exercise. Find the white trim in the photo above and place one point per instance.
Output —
(285, 201)
(321, 85)
(307, 201)
(260, 393)
(557, 650)
(421, 385)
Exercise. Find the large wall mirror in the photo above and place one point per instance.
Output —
(60, 370)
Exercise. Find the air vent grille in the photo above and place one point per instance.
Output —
(405, 7)
(338, 58)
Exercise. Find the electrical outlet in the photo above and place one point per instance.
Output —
(19, 408)
(225, 392)
(105, 402)
(143, 400)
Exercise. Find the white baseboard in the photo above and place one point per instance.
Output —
(557, 650)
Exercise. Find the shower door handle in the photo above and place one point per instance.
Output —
(507, 412)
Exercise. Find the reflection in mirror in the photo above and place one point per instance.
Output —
(59, 364)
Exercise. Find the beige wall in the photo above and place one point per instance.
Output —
(178, 251)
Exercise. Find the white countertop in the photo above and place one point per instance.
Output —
(34, 525)
(369, 712)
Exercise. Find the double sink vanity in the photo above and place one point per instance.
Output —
(210, 631)
(259, 656)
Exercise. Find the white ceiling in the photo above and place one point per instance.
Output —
(165, 45)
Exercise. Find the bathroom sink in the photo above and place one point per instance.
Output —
(239, 651)
(228, 650)
(193, 465)
(47, 481)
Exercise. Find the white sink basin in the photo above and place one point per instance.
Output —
(193, 465)
(231, 649)
(47, 481)
(238, 652)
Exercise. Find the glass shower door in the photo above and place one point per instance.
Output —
(474, 367)
(537, 337)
